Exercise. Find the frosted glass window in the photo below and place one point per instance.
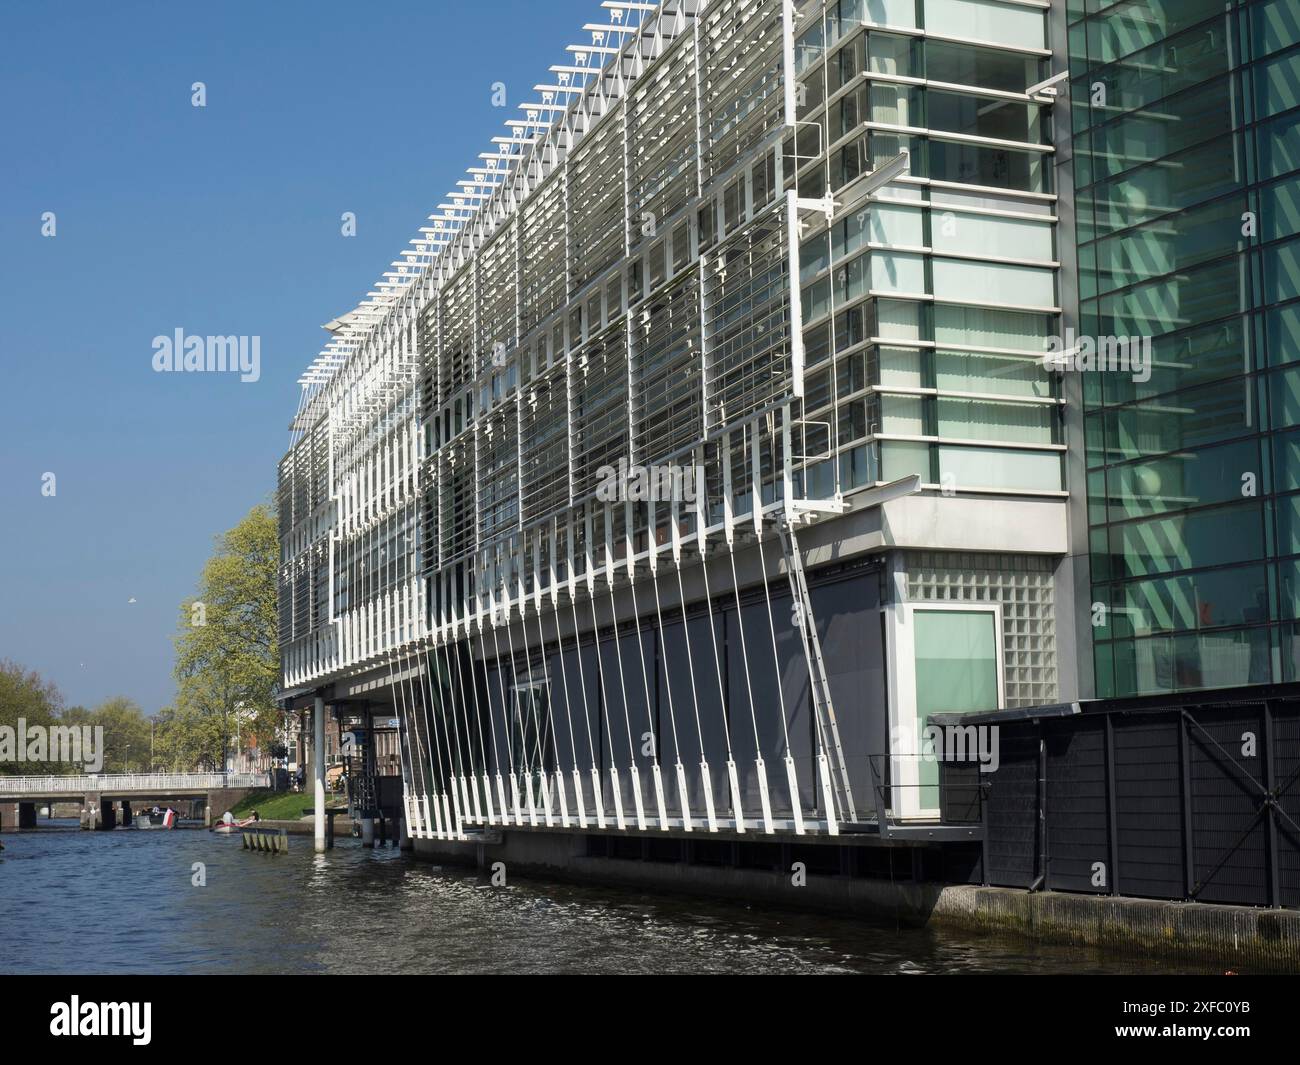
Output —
(982, 467)
(902, 458)
(897, 272)
(1006, 238)
(892, 13)
(956, 657)
(895, 105)
(1007, 423)
(987, 20)
(900, 367)
(989, 328)
(890, 55)
(902, 415)
(976, 282)
(896, 225)
(901, 320)
(963, 371)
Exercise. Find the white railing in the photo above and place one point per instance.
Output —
(118, 783)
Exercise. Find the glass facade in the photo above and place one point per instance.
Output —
(1185, 116)
(926, 307)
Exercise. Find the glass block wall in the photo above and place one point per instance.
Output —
(1023, 585)
(1186, 156)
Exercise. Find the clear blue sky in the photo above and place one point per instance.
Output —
(219, 220)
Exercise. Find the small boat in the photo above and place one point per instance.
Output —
(156, 818)
(230, 827)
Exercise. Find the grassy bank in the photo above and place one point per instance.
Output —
(277, 806)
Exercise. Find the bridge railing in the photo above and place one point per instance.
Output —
(122, 782)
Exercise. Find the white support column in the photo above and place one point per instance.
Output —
(318, 771)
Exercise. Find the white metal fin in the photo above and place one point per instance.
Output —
(793, 780)
(707, 781)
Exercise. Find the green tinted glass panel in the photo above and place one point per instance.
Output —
(956, 672)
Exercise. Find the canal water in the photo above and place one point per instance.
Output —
(126, 902)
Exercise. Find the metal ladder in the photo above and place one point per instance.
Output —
(818, 685)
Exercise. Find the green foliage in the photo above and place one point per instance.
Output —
(24, 694)
(126, 735)
(227, 652)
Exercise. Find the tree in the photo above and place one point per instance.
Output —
(24, 694)
(126, 735)
(185, 739)
(227, 648)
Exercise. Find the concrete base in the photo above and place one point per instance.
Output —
(17, 815)
(1230, 936)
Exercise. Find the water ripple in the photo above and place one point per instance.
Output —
(117, 902)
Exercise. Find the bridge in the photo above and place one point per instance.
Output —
(101, 794)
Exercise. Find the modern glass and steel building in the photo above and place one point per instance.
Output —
(1186, 152)
(702, 444)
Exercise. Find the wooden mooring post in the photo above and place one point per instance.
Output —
(269, 840)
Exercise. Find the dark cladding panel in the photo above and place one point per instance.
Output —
(848, 624)
(1220, 748)
(1149, 812)
(1286, 774)
(1227, 770)
(1011, 808)
(579, 706)
(498, 683)
(760, 693)
(689, 669)
(626, 675)
(1078, 845)
(797, 696)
